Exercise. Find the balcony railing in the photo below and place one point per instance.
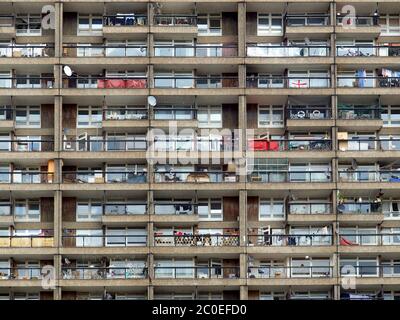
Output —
(197, 272)
(121, 209)
(109, 50)
(290, 239)
(310, 208)
(369, 175)
(195, 50)
(391, 50)
(298, 20)
(368, 82)
(125, 20)
(279, 82)
(369, 239)
(19, 176)
(98, 241)
(90, 176)
(291, 176)
(195, 177)
(309, 113)
(32, 82)
(20, 145)
(360, 208)
(199, 82)
(175, 208)
(370, 144)
(174, 113)
(7, 20)
(192, 144)
(20, 273)
(28, 241)
(98, 145)
(203, 240)
(284, 272)
(359, 113)
(363, 271)
(311, 144)
(26, 51)
(129, 113)
(359, 21)
(257, 50)
(7, 113)
(175, 20)
(99, 82)
(104, 273)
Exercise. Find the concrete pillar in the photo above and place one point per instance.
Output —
(150, 76)
(58, 32)
(241, 29)
(243, 217)
(150, 45)
(58, 132)
(242, 76)
(58, 219)
(244, 294)
(57, 293)
(150, 293)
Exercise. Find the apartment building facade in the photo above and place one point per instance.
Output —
(305, 91)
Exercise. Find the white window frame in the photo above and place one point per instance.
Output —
(268, 29)
(208, 31)
(271, 202)
(90, 31)
(27, 217)
(29, 32)
(90, 215)
(270, 109)
(91, 121)
(28, 123)
(210, 216)
(208, 109)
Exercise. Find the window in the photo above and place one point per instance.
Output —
(272, 296)
(122, 237)
(90, 210)
(5, 207)
(89, 50)
(174, 48)
(173, 80)
(28, 81)
(210, 209)
(5, 79)
(268, 80)
(28, 270)
(173, 112)
(27, 296)
(5, 175)
(390, 24)
(271, 209)
(311, 236)
(4, 269)
(126, 48)
(89, 238)
(125, 142)
(270, 116)
(28, 24)
(391, 116)
(310, 268)
(391, 268)
(309, 295)
(90, 25)
(309, 79)
(309, 172)
(269, 24)
(89, 117)
(209, 116)
(28, 143)
(124, 207)
(26, 175)
(391, 208)
(391, 236)
(360, 267)
(87, 81)
(27, 116)
(174, 269)
(27, 210)
(209, 24)
(357, 235)
(5, 144)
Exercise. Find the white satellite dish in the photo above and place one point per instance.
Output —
(67, 70)
(152, 101)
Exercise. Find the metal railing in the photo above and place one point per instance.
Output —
(100, 82)
(27, 241)
(362, 271)
(98, 145)
(298, 20)
(118, 209)
(310, 208)
(30, 82)
(104, 273)
(20, 273)
(198, 82)
(359, 21)
(369, 175)
(125, 20)
(21, 145)
(290, 176)
(311, 144)
(195, 50)
(195, 177)
(391, 50)
(289, 50)
(201, 240)
(19, 176)
(359, 113)
(257, 239)
(174, 113)
(192, 144)
(368, 239)
(369, 144)
(98, 241)
(196, 272)
(285, 272)
(308, 113)
(368, 82)
(108, 50)
(175, 20)
(26, 51)
(175, 208)
(90, 176)
(278, 82)
(7, 113)
(359, 208)
(128, 113)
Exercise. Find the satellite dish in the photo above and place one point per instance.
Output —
(152, 101)
(67, 70)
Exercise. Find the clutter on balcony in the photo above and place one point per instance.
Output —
(121, 83)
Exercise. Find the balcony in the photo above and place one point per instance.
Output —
(282, 50)
(284, 82)
(108, 176)
(288, 272)
(113, 241)
(197, 50)
(28, 241)
(358, 26)
(369, 239)
(185, 116)
(360, 212)
(360, 144)
(190, 143)
(123, 119)
(366, 83)
(27, 82)
(367, 51)
(109, 51)
(175, 23)
(7, 26)
(22, 145)
(285, 240)
(99, 82)
(100, 145)
(297, 25)
(21, 273)
(7, 117)
(290, 176)
(371, 273)
(26, 177)
(199, 240)
(26, 51)
(303, 117)
(365, 176)
(311, 144)
(104, 273)
(195, 177)
(184, 212)
(310, 212)
(126, 24)
(196, 272)
(199, 82)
